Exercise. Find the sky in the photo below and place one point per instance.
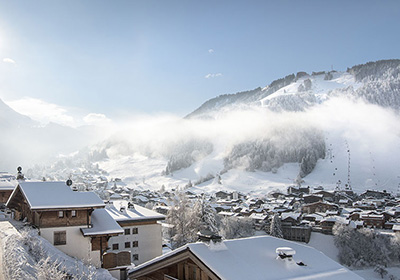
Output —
(82, 62)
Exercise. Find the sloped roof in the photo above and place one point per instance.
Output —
(102, 224)
(55, 195)
(256, 258)
(137, 213)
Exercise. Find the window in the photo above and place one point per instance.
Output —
(127, 231)
(135, 231)
(73, 213)
(60, 238)
(61, 214)
(135, 257)
(127, 244)
(135, 244)
(115, 246)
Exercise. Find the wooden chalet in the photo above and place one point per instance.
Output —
(71, 221)
(319, 207)
(246, 258)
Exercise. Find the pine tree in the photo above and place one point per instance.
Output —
(276, 227)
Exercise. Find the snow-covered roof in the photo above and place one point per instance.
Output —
(56, 195)
(396, 227)
(6, 186)
(256, 258)
(136, 213)
(102, 224)
(292, 215)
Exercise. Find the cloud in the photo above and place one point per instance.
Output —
(9, 60)
(42, 111)
(210, 50)
(96, 119)
(208, 76)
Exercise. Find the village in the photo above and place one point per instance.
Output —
(126, 231)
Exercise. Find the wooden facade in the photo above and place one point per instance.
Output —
(5, 195)
(183, 266)
(44, 218)
(318, 207)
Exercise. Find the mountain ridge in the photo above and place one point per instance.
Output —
(369, 74)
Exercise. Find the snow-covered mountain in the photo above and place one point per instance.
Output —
(376, 82)
(322, 128)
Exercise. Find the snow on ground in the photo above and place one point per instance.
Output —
(370, 274)
(325, 244)
(29, 256)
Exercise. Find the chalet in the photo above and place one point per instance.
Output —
(312, 198)
(298, 190)
(327, 225)
(375, 194)
(6, 188)
(290, 218)
(373, 220)
(222, 195)
(262, 257)
(328, 196)
(319, 207)
(142, 233)
(74, 222)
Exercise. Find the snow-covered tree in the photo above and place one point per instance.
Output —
(364, 247)
(185, 217)
(276, 226)
(234, 227)
(209, 217)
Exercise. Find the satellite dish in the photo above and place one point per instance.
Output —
(69, 182)
(19, 169)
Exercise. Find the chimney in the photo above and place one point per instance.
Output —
(131, 205)
(285, 253)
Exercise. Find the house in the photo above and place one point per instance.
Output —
(142, 233)
(318, 207)
(327, 224)
(373, 220)
(262, 257)
(312, 198)
(74, 222)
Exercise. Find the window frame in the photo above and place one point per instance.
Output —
(127, 231)
(127, 244)
(60, 214)
(135, 230)
(115, 246)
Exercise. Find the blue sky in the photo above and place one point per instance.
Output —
(113, 58)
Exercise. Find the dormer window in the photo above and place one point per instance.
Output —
(61, 214)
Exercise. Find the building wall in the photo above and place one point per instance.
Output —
(149, 239)
(76, 244)
(4, 195)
